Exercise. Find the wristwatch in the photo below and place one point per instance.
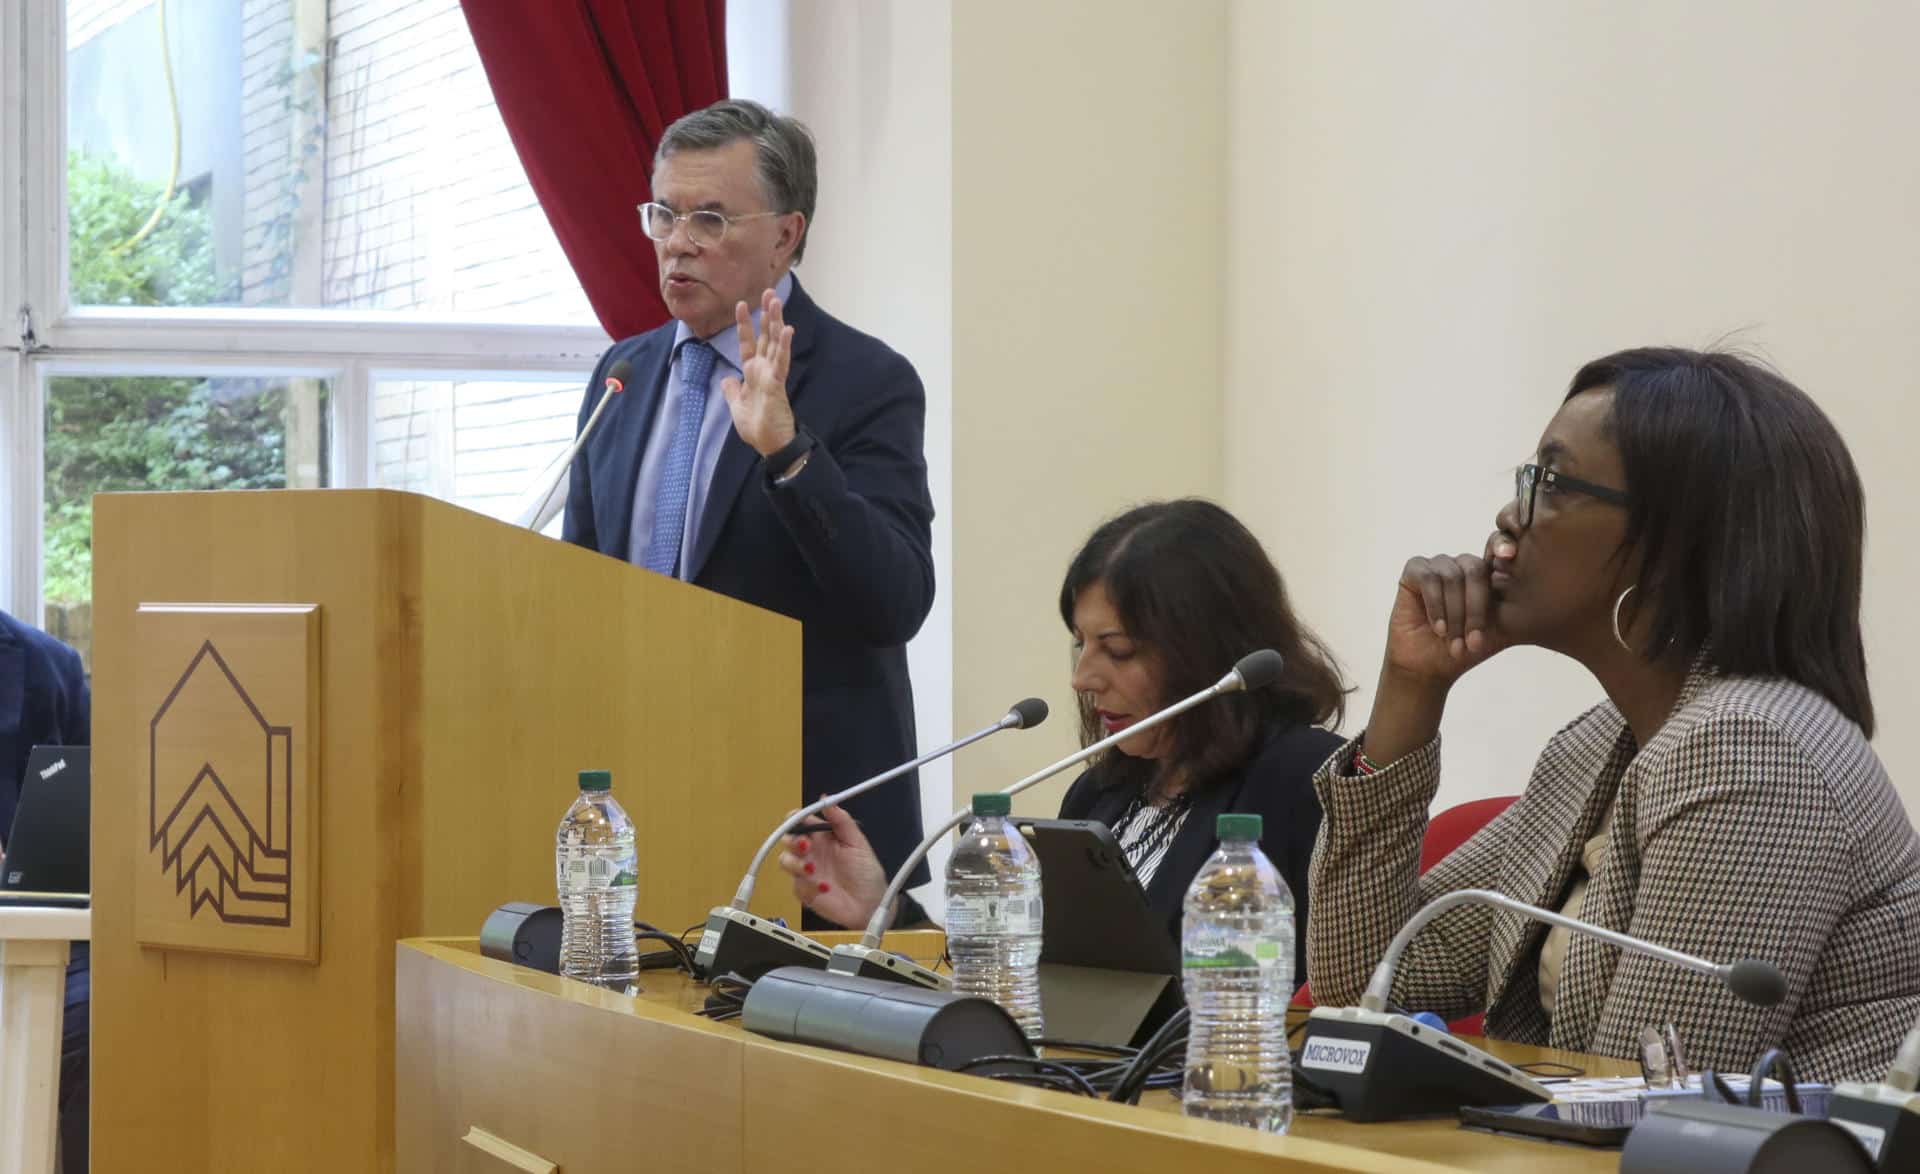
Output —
(784, 458)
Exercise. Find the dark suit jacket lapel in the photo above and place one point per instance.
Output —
(737, 458)
(625, 428)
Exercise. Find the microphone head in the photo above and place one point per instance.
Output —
(1028, 714)
(1257, 670)
(1760, 983)
(618, 374)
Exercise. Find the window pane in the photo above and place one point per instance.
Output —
(481, 443)
(308, 153)
(145, 432)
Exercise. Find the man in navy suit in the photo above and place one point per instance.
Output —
(44, 700)
(772, 453)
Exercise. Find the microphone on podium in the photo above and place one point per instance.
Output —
(736, 940)
(537, 505)
(1885, 1117)
(1380, 1066)
(1256, 670)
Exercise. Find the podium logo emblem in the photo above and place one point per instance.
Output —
(220, 810)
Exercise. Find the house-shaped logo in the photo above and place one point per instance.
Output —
(220, 810)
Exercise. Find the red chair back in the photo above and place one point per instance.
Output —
(1456, 825)
(1445, 832)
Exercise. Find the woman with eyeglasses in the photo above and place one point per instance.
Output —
(1160, 602)
(1691, 532)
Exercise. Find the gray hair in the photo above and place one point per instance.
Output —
(782, 147)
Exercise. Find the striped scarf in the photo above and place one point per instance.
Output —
(1144, 833)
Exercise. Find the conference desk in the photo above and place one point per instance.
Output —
(501, 1069)
(33, 988)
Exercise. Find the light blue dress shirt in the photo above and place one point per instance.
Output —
(714, 426)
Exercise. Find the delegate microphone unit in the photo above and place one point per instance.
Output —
(1381, 1066)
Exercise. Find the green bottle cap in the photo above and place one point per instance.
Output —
(1235, 825)
(596, 780)
(992, 803)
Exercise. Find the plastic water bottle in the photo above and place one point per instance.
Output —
(1236, 946)
(994, 914)
(596, 865)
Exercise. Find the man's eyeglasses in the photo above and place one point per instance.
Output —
(1527, 480)
(705, 228)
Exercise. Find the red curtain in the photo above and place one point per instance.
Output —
(587, 87)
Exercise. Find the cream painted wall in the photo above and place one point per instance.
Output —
(874, 81)
(1437, 212)
(1088, 142)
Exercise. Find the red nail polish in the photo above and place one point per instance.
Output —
(800, 845)
(809, 868)
(825, 887)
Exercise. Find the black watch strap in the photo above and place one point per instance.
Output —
(782, 459)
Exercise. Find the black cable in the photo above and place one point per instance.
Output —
(676, 954)
(1134, 1082)
(1772, 1062)
(1309, 1095)
(1149, 1057)
(1082, 1045)
(729, 996)
(1042, 1068)
(1548, 1068)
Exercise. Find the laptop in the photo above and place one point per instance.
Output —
(47, 847)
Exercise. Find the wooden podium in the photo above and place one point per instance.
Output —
(328, 720)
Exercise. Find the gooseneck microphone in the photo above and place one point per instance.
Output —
(537, 504)
(1380, 1066)
(1256, 670)
(1760, 983)
(736, 940)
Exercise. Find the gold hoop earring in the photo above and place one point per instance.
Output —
(1618, 638)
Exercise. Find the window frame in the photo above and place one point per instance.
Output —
(352, 349)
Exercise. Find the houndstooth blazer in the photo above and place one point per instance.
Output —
(1758, 823)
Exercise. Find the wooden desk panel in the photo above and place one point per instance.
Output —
(480, 1041)
(585, 1079)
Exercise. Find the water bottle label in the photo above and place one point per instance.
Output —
(1231, 954)
(590, 870)
(974, 916)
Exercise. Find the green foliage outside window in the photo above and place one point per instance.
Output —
(107, 433)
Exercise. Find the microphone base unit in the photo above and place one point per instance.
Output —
(856, 960)
(1885, 1119)
(1716, 1138)
(736, 941)
(524, 934)
(1382, 1067)
(875, 1018)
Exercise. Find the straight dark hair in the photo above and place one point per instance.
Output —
(1194, 586)
(1748, 514)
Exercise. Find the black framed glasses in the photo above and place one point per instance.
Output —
(705, 227)
(1527, 480)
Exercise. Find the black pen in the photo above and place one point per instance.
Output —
(808, 829)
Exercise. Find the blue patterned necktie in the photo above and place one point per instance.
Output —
(676, 482)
